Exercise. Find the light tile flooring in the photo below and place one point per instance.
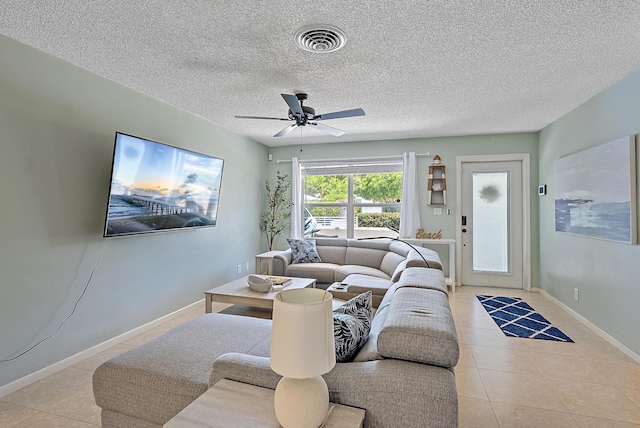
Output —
(502, 382)
(512, 382)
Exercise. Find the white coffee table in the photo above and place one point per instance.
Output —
(238, 293)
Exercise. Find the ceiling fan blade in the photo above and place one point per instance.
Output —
(324, 128)
(260, 117)
(294, 104)
(286, 130)
(340, 114)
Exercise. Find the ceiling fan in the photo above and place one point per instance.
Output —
(304, 115)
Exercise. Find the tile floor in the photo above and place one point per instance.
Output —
(502, 381)
(512, 382)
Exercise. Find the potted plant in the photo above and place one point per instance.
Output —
(272, 221)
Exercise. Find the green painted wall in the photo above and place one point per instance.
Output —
(57, 126)
(448, 149)
(606, 273)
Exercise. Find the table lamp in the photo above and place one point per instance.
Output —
(302, 349)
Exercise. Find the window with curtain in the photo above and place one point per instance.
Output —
(354, 199)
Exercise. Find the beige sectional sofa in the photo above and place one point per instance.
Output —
(351, 266)
(402, 376)
(341, 257)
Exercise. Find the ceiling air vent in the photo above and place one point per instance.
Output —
(320, 38)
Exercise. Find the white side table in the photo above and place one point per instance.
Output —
(229, 404)
(265, 257)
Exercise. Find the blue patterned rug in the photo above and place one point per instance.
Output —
(516, 318)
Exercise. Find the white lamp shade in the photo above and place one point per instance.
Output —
(302, 342)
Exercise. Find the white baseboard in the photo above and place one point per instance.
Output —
(76, 358)
(606, 336)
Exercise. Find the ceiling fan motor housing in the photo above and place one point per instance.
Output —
(309, 114)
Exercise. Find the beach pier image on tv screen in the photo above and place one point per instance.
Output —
(158, 187)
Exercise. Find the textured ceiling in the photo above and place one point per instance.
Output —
(418, 68)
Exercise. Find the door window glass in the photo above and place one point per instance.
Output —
(490, 222)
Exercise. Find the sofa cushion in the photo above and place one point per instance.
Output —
(352, 323)
(369, 352)
(321, 272)
(357, 284)
(156, 380)
(431, 256)
(390, 262)
(403, 248)
(332, 250)
(388, 296)
(332, 242)
(364, 256)
(414, 259)
(377, 244)
(395, 276)
(423, 278)
(331, 253)
(303, 251)
(419, 327)
(400, 247)
(344, 271)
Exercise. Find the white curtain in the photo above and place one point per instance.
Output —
(409, 210)
(296, 197)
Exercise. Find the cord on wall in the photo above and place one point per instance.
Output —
(72, 311)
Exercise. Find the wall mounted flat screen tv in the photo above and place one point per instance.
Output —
(156, 187)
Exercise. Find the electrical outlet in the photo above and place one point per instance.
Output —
(437, 211)
(239, 268)
(576, 293)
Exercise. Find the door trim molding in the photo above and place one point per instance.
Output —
(524, 159)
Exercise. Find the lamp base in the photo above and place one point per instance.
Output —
(301, 403)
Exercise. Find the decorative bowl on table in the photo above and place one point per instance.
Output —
(259, 284)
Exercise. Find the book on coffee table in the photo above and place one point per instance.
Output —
(276, 280)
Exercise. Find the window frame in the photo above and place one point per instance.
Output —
(349, 168)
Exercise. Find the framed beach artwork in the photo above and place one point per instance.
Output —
(595, 192)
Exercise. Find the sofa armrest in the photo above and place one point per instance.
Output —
(433, 259)
(281, 262)
(390, 376)
(244, 368)
(429, 396)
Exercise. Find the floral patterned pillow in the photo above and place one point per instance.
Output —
(351, 326)
(303, 251)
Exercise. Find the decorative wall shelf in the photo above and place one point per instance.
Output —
(437, 183)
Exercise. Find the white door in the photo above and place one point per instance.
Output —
(492, 238)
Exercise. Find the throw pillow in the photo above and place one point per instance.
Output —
(361, 308)
(303, 251)
(351, 326)
(347, 331)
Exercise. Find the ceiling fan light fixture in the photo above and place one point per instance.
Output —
(320, 38)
